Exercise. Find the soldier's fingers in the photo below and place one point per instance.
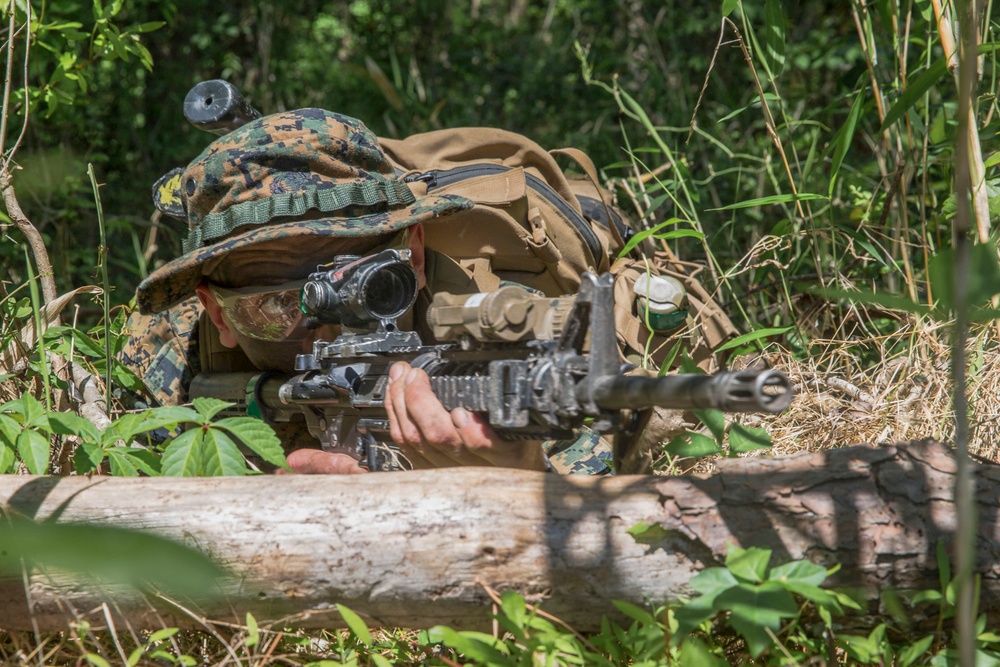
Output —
(318, 462)
(403, 428)
(395, 405)
(437, 431)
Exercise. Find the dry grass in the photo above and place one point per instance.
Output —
(902, 392)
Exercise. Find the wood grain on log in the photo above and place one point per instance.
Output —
(414, 549)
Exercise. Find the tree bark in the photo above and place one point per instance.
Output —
(415, 549)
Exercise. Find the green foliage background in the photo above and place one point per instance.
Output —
(408, 66)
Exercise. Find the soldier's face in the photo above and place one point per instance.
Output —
(258, 309)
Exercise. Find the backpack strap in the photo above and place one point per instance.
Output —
(585, 163)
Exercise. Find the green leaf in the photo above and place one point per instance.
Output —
(220, 455)
(768, 97)
(693, 653)
(96, 660)
(739, 341)
(639, 237)
(68, 423)
(774, 36)
(748, 564)
(34, 412)
(798, 572)
(916, 89)
(253, 633)
(150, 26)
(143, 460)
(983, 276)
(692, 614)
(209, 407)
(9, 430)
(715, 420)
(182, 457)
(474, 646)
(767, 201)
(379, 660)
(514, 607)
(752, 608)
(692, 445)
(728, 6)
(357, 626)
(7, 457)
(713, 581)
(121, 465)
(909, 654)
(743, 439)
(647, 533)
(258, 436)
(34, 450)
(108, 554)
(162, 634)
(634, 612)
(87, 457)
(992, 160)
(845, 136)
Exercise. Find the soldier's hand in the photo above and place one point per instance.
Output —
(318, 462)
(431, 437)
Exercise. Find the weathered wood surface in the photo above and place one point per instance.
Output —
(414, 549)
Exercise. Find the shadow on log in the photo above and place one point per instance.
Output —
(415, 549)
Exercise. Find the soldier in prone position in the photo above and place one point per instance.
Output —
(268, 203)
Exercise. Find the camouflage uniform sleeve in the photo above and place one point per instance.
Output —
(163, 351)
(589, 454)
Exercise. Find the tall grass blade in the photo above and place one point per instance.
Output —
(774, 42)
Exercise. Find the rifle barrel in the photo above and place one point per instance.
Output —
(729, 391)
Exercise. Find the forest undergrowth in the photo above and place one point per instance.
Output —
(811, 167)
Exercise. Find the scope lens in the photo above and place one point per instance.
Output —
(388, 292)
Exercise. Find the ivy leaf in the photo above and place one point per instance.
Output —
(713, 581)
(220, 455)
(748, 564)
(692, 445)
(34, 450)
(692, 614)
(209, 407)
(258, 436)
(143, 460)
(68, 423)
(6, 457)
(182, 457)
(715, 420)
(121, 466)
(9, 430)
(34, 412)
(798, 572)
(87, 457)
(752, 608)
(743, 439)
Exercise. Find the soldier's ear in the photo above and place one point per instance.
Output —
(417, 258)
(214, 310)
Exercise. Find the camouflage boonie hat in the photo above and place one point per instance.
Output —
(248, 187)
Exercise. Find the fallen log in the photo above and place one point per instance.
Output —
(416, 549)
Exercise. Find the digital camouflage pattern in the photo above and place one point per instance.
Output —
(162, 350)
(247, 185)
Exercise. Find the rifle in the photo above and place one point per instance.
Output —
(536, 367)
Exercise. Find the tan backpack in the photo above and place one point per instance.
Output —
(535, 226)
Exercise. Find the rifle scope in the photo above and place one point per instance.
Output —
(369, 290)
